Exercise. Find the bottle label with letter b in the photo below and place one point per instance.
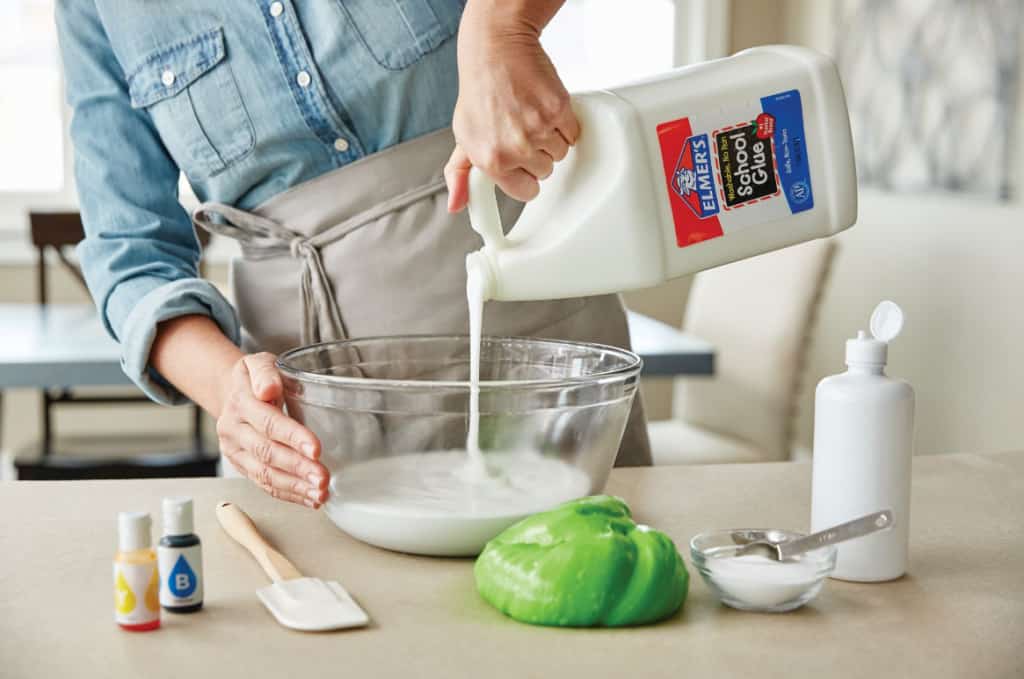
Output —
(181, 571)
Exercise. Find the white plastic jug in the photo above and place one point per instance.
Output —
(678, 173)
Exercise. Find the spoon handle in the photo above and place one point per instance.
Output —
(830, 536)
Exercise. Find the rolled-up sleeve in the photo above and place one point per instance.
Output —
(140, 253)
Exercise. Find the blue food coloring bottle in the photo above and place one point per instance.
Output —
(180, 557)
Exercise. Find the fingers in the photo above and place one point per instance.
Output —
(568, 126)
(263, 443)
(272, 423)
(519, 184)
(456, 176)
(273, 454)
(539, 164)
(555, 146)
(275, 482)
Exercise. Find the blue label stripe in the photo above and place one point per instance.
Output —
(791, 148)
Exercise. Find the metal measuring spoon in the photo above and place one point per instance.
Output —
(780, 551)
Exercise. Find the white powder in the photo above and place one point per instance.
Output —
(423, 503)
(760, 581)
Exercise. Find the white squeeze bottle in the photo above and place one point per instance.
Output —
(863, 445)
(678, 173)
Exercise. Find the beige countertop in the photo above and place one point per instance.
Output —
(960, 612)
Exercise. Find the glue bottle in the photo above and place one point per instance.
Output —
(181, 559)
(136, 580)
(863, 444)
(678, 173)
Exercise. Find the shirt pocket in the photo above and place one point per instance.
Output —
(190, 92)
(399, 32)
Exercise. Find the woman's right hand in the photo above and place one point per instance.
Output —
(265, 445)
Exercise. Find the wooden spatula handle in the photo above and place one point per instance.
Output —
(239, 526)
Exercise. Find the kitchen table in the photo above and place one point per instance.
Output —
(65, 345)
(959, 613)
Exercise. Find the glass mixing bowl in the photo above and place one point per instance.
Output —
(392, 416)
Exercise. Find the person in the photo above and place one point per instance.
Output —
(317, 133)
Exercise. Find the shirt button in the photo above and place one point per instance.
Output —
(276, 9)
(341, 144)
(167, 78)
(303, 79)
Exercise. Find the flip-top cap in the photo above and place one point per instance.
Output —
(886, 324)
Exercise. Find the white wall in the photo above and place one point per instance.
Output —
(956, 265)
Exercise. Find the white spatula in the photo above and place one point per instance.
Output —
(307, 604)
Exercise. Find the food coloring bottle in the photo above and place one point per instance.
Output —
(181, 559)
(136, 581)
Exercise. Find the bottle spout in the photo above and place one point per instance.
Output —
(483, 210)
(480, 281)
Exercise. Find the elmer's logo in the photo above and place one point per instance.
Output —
(692, 179)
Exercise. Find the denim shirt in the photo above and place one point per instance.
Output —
(245, 97)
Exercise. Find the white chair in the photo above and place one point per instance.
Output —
(758, 313)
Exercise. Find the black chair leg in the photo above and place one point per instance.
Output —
(47, 424)
(197, 432)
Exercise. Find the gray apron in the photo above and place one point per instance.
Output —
(370, 249)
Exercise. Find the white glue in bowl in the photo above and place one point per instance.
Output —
(392, 417)
(758, 583)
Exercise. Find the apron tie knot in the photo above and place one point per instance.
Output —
(298, 247)
(321, 319)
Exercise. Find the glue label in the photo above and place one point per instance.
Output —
(737, 167)
(180, 575)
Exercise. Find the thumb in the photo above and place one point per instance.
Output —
(265, 380)
(456, 175)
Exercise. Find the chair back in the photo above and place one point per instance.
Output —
(758, 313)
(61, 232)
(58, 231)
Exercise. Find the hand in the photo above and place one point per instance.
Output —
(263, 443)
(513, 117)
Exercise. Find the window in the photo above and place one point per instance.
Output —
(600, 43)
(35, 151)
(31, 108)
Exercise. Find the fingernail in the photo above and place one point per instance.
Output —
(314, 494)
(310, 504)
(315, 479)
(308, 448)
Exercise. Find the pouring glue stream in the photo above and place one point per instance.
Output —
(476, 469)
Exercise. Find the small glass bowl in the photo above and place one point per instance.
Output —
(759, 584)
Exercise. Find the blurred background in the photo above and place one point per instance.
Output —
(935, 98)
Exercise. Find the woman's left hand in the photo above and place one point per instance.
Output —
(513, 117)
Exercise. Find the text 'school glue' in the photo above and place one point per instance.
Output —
(181, 559)
(136, 581)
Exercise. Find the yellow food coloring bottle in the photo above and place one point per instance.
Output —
(136, 581)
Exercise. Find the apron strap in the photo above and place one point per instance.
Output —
(321, 319)
(264, 237)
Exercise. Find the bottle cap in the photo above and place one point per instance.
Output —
(133, 531)
(177, 513)
(886, 324)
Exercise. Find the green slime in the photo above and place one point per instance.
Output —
(583, 564)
